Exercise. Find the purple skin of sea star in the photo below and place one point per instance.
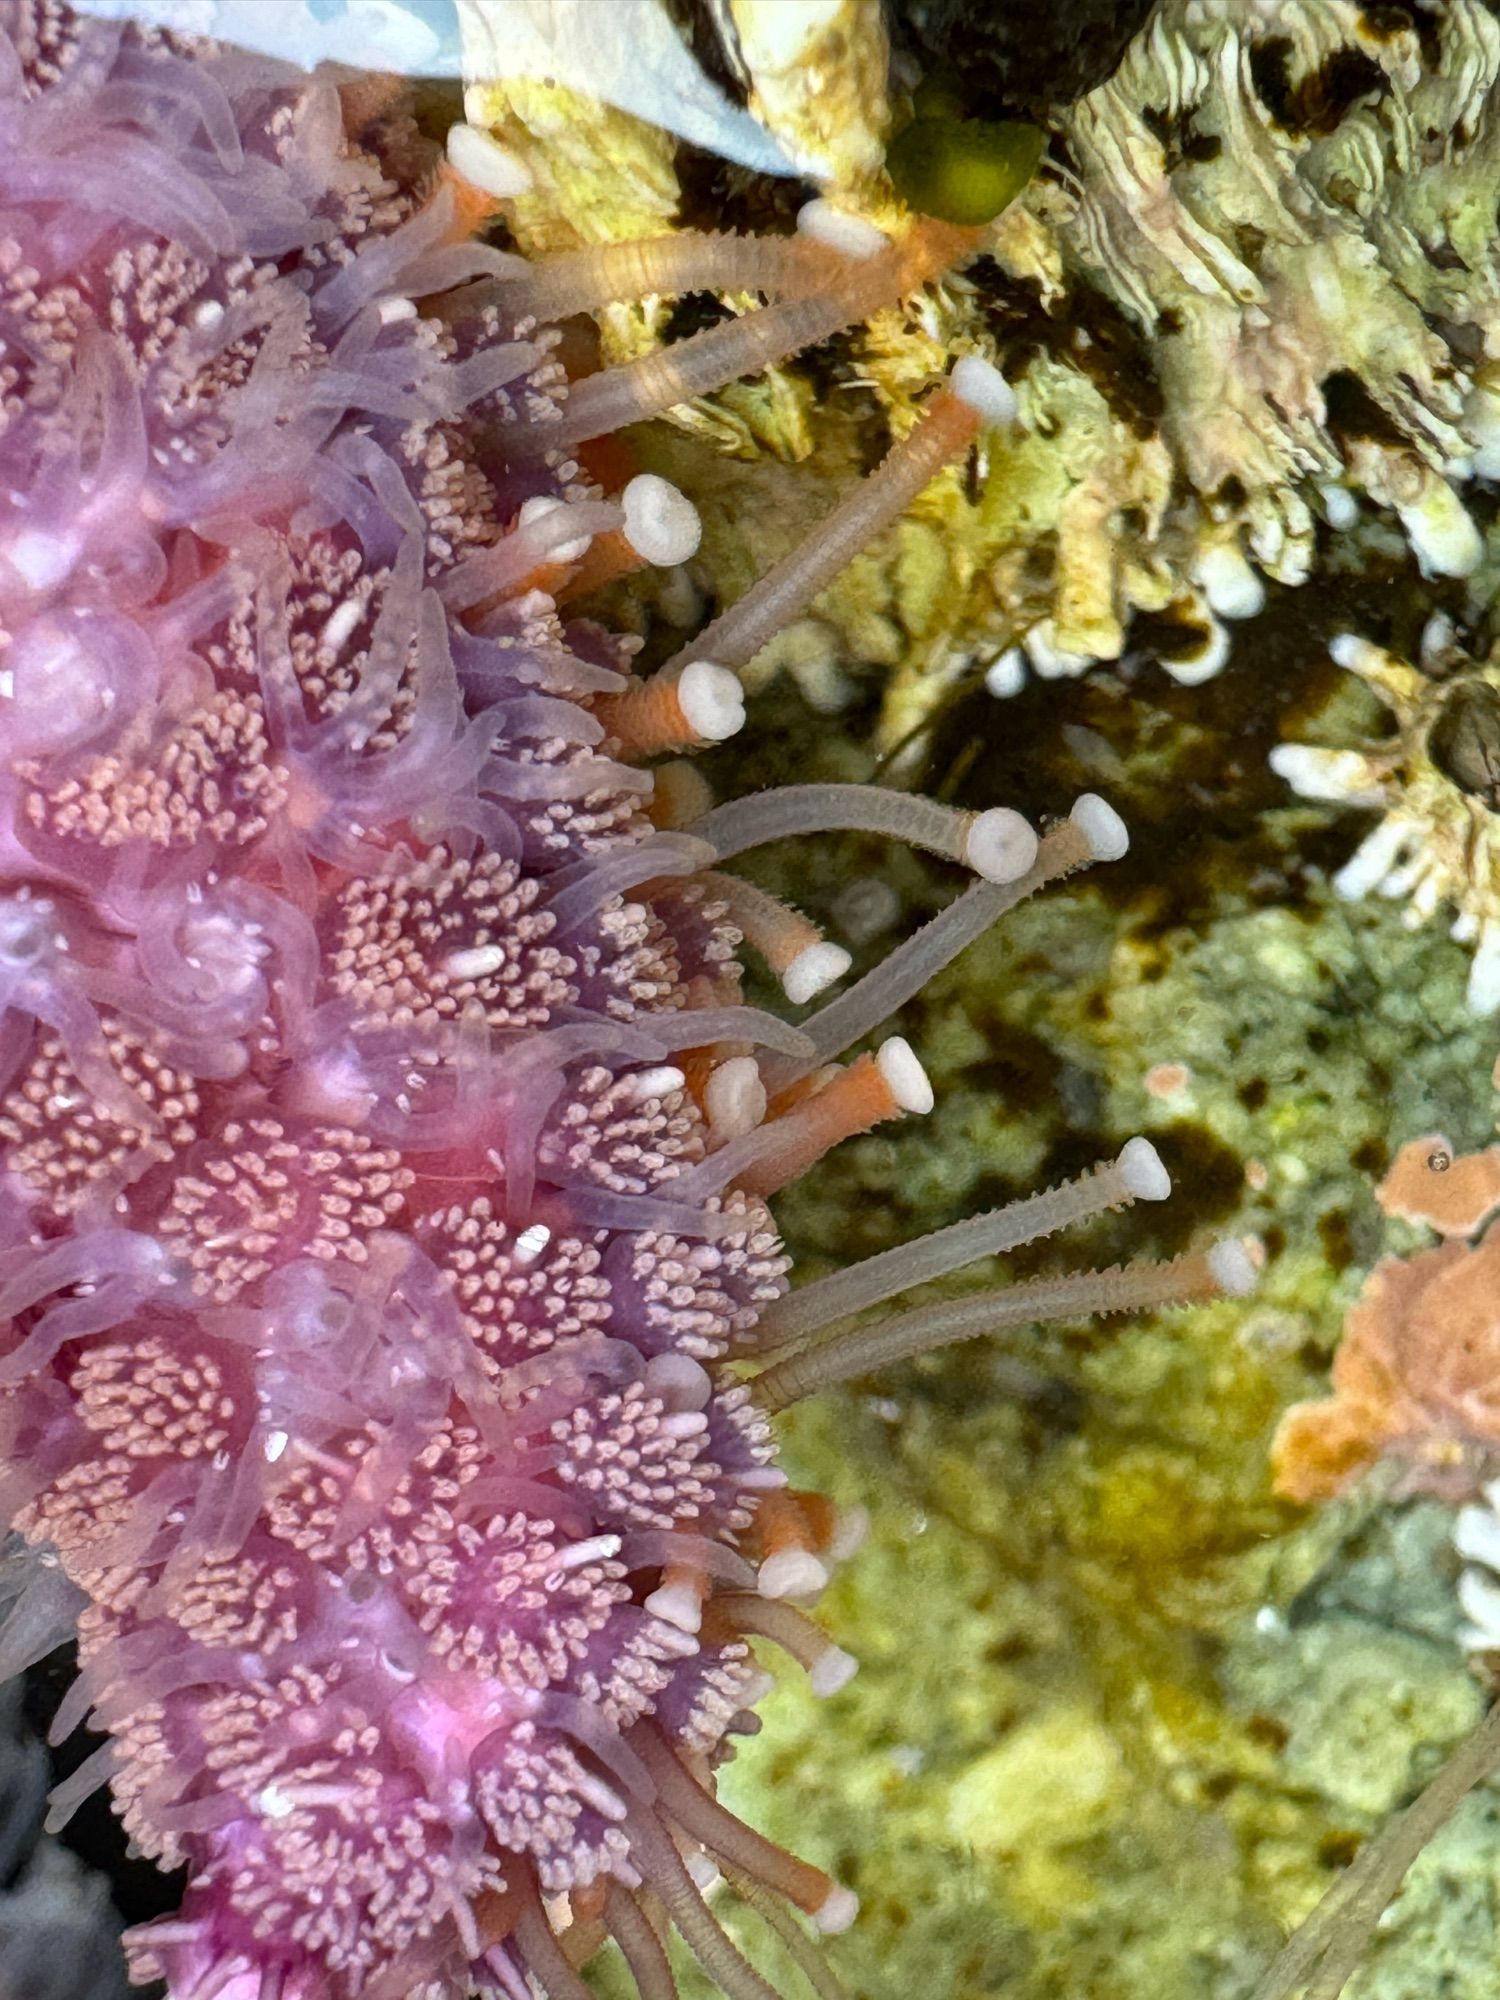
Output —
(384, 1138)
(355, 1375)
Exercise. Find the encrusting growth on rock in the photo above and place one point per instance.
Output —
(383, 1243)
(1415, 1377)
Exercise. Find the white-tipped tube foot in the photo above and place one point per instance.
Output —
(702, 1868)
(679, 1381)
(1101, 826)
(833, 1670)
(734, 1097)
(537, 508)
(850, 235)
(485, 163)
(1348, 650)
(1001, 846)
(756, 1687)
(851, 1528)
(837, 1911)
(1233, 1268)
(661, 524)
(904, 1075)
(980, 384)
(712, 701)
(792, 1573)
(1141, 1171)
(676, 1604)
(813, 969)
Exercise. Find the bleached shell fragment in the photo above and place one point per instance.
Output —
(1228, 581)
(816, 75)
(1337, 776)
(1052, 662)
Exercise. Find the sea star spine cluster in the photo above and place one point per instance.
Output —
(385, 1134)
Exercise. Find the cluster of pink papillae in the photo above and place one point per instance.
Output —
(384, 1135)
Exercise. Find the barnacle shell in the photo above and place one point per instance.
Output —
(1264, 290)
(1436, 783)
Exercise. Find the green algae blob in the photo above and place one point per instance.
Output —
(963, 170)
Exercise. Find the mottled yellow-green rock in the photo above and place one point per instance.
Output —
(1075, 1566)
(1051, 1782)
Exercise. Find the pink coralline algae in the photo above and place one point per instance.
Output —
(384, 1258)
(1415, 1376)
